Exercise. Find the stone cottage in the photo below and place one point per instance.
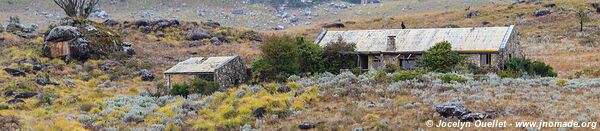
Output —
(226, 70)
(487, 47)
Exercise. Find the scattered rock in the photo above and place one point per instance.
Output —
(240, 94)
(9, 93)
(473, 117)
(549, 5)
(141, 23)
(62, 33)
(284, 89)
(306, 126)
(279, 27)
(100, 14)
(199, 34)
(69, 83)
(452, 110)
(237, 11)
(539, 13)
(26, 95)
(15, 72)
(44, 81)
(212, 24)
(334, 25)
(215, 40)
(358, 129)
(195, 43)
(105, 84)
(472, 14)
(146, 75)
(128, 48)
(110, 23)
(15, 101)
(259, 112)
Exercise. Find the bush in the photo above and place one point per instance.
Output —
(509, 74)
(440, 58)
(199, 86)
(406, 75)
(311, 56)
(391, 68)
(522, 65)
(447, 78)
(339, 55)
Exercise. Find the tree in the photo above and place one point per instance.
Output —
(311, 56)
(440, 58)
(339, 55)
(280, 56)
(77, 8)
(582, 17)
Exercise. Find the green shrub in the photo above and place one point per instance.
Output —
(180, 89)
(391, 68)
(381, 76)
(521, 65)
(406, 75)
(509, 74)
(311, 56)
(440, 58)
(4, 107)
(199, 86)
(447, 78)
(339, 55)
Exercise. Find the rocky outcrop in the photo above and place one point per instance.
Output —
(198, 34)
(459, 111)
(539, 13)
(82, 40)
(15, 72)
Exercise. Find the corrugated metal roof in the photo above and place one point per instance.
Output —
(199, 65)
(417, 40)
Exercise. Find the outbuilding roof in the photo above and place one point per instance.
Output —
(200, 65)
(478, 39)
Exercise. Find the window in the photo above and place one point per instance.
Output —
(486, 59)
(408, 64)
(376, 62)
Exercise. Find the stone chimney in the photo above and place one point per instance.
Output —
(391, 43)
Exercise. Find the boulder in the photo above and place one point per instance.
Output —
(146, 75)
(212, 24)
(284, 89)
(237, 11)
(549, 5)
(15, 27)
(110, 23)
(259, 112)
(9, 93)
(15, 101)
(80, 49)
(306, 126)
(195, 43)
(473, 117)
(44, 81)
(69, 83)
(105, 84)
(279, 27)
(539, 13)
(62, 33)
(26, 95)
(15, 72)
(215, 40)
(471, 14)
(199, 34)
(455, 110)
(128, 48)
(334, 25)
(141, 23)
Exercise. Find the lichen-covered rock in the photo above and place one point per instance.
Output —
(82, 40)
(26, 95)
(306, 126)
(473, 117)
(44, 81)
(198, 34)
(539, 13)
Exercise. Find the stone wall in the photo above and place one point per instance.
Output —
(231, 73)
(513, 49)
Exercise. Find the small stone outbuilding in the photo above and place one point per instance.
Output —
(225, 70)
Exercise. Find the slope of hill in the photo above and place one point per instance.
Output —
(553, 38)
(234, 13)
